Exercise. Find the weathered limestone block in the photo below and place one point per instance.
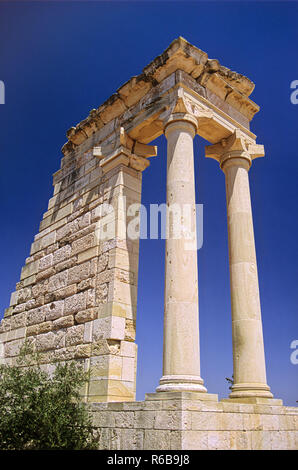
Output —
(130, 330)
(103, 262)
(90, 298)
(39, 289)
(5, 325)
(50, 340)
(57, 281)
(74, 335)
(42, 242)
(79, 273)
(23, 295)
(61, 254)
(54, 310)
(186, 423)
(128, 369)
(18, 321)
(109, 327)
(37, 315)
(83, 351)
(86, 315)
(82, 244)
(128, 349)
(106, 367)
(63, 322)
(122, 292)
(144, 419)
(43, 275)
(88, 332)
(39, 328)
(29, 269)
(105, 346)
(69, 263)
(62, 293)
(14, 334)
(12, 348)
(75, 303)
(88, 283)
(101, 293)
(45, 262)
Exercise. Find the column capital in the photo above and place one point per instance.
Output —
(181, 121)
(184, 114)
(123, 150)
(237, 149)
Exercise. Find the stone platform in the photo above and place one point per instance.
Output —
(183, 421)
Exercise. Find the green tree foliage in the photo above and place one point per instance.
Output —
(39, 411)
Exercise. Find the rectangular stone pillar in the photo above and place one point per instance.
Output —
(76, 299)
(113, 368)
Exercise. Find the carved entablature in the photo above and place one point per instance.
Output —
(216, 96)
(183, 103)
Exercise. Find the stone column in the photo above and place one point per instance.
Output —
(235, 155)
(181, 362)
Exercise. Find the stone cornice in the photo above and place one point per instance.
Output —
(122, 139)
(230, 87)
(121, 156)
(123, 150)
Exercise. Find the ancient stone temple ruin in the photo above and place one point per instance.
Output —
(77, 295)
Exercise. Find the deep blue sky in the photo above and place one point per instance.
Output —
(59, 60)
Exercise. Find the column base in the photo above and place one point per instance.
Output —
(181, 383)
(250, 390)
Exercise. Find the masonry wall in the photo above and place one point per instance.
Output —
(195, 425)
(77, 294)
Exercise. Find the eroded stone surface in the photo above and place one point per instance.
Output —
(74, 301)
(188, 424)
(77, 294)
(230, 87)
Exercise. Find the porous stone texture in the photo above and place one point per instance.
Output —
(186, 423)
(181, 359)
(77, 294)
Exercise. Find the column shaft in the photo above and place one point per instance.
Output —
(248, 347)
(181, 363)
